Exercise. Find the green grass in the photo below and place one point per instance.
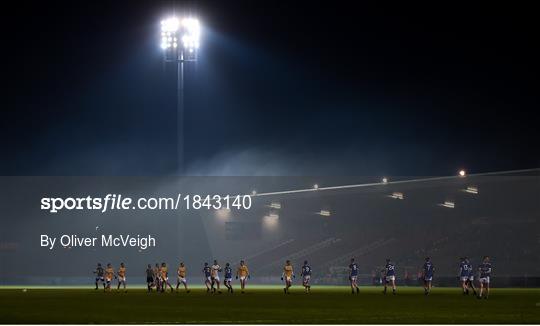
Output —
(325, 305)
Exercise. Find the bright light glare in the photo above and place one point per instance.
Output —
(271, 220)
(472, 190)
(462, 173)
(324, 212)
(448, 204)
(384, 180)
(397, 195)
(275, 205)
(170, 24)
(188, 30)
(223, 213)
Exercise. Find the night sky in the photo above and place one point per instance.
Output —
(280, 89)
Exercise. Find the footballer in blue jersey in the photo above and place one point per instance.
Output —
(353, 275)
(306, 276)
(484, 271)
(466, 274)
(100, 275)
(207, 277)
(427, 275)
(228, 278)
(390, 276)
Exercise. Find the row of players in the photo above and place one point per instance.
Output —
(158, 276)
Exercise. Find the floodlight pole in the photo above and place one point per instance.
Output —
(180, 112)
(172, 33)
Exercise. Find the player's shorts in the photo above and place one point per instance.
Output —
(243, 278)
(228, 279)
(121, 279)
(108, 279)
(390, 278)
(182, 280)
(209, 279)
(149, 279)
(353, 278)
(215, 278)
(428, 279)
(100, 278)
(484, 280)
(164, 279)
(288, 278)
(306, 278)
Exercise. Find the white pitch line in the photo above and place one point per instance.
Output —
(361, 185)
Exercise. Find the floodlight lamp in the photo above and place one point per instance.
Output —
(324, 212)
(170, 25)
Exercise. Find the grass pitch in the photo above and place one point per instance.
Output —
(268, 305)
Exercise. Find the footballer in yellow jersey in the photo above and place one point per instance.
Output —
(109, 275)
(164, 271)
(181, 272)
(288, 275)
(122, 276)
(243, 273)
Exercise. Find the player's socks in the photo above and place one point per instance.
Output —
(285, 290)
(357, 290)
(393, 291)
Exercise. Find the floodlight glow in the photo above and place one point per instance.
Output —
(275, 205)
(223, 213)
(384, 180)
(448, 204)
(397, 195)
(170, 25)
(254, 192)
(315, 186)
(271, 220)
(324, 213)
(462, 173)
(471, 190)
(187, 29)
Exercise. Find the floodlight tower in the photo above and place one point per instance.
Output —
(180, 44)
